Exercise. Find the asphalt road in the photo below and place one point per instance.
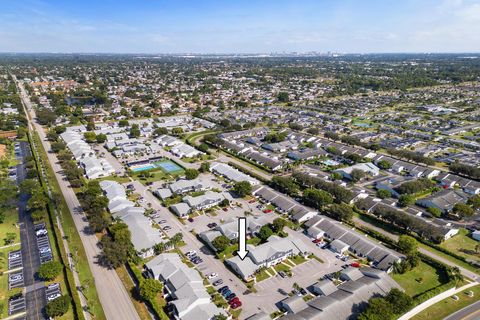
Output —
(34, 297)
(113, 296)
(471, 312)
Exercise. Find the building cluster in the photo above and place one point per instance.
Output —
(343, 300)
(183, 287)
(85, 156)
(143, 235)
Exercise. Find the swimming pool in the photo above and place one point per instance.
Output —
(143, 167)
(168, 166)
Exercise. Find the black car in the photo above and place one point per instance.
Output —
(231, 296)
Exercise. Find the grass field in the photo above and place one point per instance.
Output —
(155, 175)
(263, 275)
(450, 258)
(10, 225)
(448, 306)
(462, 244)
(422, 278)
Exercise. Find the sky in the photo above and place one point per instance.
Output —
(239, 26)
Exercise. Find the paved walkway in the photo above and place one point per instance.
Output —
(434, 300)
(10, 245)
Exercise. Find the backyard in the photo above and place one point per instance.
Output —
(420, 279)
(463, 244)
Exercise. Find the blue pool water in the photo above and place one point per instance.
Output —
(144, 167)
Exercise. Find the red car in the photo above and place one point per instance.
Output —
(267, 211)
(234, 300)
(355, 264)
(251, 201)
(317, 240)
(225, 209)
(236, 305)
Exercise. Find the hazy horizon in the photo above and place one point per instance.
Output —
(219, 27)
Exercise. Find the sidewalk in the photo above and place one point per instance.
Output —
(434, 300)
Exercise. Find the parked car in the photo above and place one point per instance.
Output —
(167, 228)
(218, 282)
(282, 274)
(223, 289)
(267, 211)
(191, 253)
(53, 285)
(212, 275)
(16, 277)
(162, 221)
(190, 219)
(14, 255)
(226, 293)
(231, 296)
(53, 296)
(41, 232)
(236, 305)
(234, 300)
(225, 209)
(317, 240)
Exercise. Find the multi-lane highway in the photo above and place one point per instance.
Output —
(113, 296)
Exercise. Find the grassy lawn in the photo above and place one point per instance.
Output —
(155, 175)
(255, 241)
(262, 275)
(115, 178)
(449, 258)
(422, 278)
(463, 245)
(281, 267)
(228, 252)
(448, 306)
(9, 225)
(298, 259)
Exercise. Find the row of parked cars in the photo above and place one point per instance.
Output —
(43, 244)
(231, 297)
(192, 256)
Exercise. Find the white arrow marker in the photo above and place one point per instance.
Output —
(242, 238)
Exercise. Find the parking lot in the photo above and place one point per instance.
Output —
(15, 259)
(16, 304)
(53, 291)
(15, 280)
(43, 243)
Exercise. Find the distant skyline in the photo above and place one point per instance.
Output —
(261, 26)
